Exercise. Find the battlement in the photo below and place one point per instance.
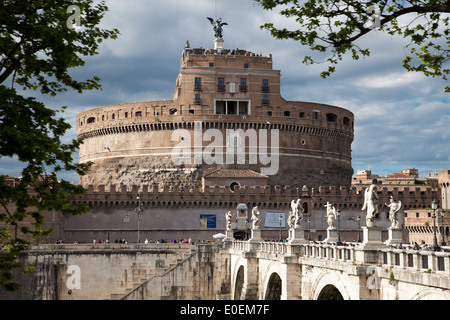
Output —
(264, 196)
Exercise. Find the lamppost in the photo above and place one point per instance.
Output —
(442, 228)
(434, 205)
(338, 213)
(309, 229)
(358, 218)
(281, 219)
(138, 210)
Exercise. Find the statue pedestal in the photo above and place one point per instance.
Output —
(372, 237)
(367, 251)
(218, 44)
(331, 235)
(256, 235)
(395, 236)
(297, 236)
(229, 235)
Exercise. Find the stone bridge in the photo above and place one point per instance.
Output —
(315, 271)
(233, 270)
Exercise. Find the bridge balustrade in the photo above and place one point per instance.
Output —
(329, 251)
(407, 258)
(418, 260)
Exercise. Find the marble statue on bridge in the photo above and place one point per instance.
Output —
(394, 208)
(255, 218)
(296, 213)
(371, 205)
(331, 215)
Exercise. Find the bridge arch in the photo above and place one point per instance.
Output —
(239, 283)
(431, 294)
(329, 285)
(330, 292)
(274, 287)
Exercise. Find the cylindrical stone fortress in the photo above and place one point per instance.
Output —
(227, 115)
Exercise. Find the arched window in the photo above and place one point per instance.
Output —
(346, 121)
(91, 120)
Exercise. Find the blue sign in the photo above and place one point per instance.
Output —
(208, 221)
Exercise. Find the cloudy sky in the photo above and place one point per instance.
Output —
(401, 118)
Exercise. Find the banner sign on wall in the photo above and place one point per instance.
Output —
(208, 221)
(273, 220)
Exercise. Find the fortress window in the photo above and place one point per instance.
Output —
(331, 117)
(91, 120)
(221, 85)
(287, 113)
(243, 86)
(198, 83)
(113, 116)
(231, 107)
(265, 100)
(237, 107)
(103, 117)
(269, 113)
(221, 107)
(316, 115)
(243, 107)
(198, 98)
(246, 65)
(265, 85)
(126, 114)
(211, 64)
(173, 111)
(191, 111)
(138, 114)
(301, 115)
(346, 121)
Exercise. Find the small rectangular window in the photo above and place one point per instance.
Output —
(243, 86)
(221, 85)
(265, 85)
(198, 98)
(198, 83)
(246, 65)
(211, 64)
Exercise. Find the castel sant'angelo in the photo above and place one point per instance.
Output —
(172, 169)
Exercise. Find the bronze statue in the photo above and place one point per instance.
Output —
(218, 31)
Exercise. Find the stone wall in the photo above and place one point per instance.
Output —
(95, 272)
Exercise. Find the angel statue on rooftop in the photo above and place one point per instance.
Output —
(217, 26)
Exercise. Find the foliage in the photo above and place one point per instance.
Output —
(333, 27)
(37, 49)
